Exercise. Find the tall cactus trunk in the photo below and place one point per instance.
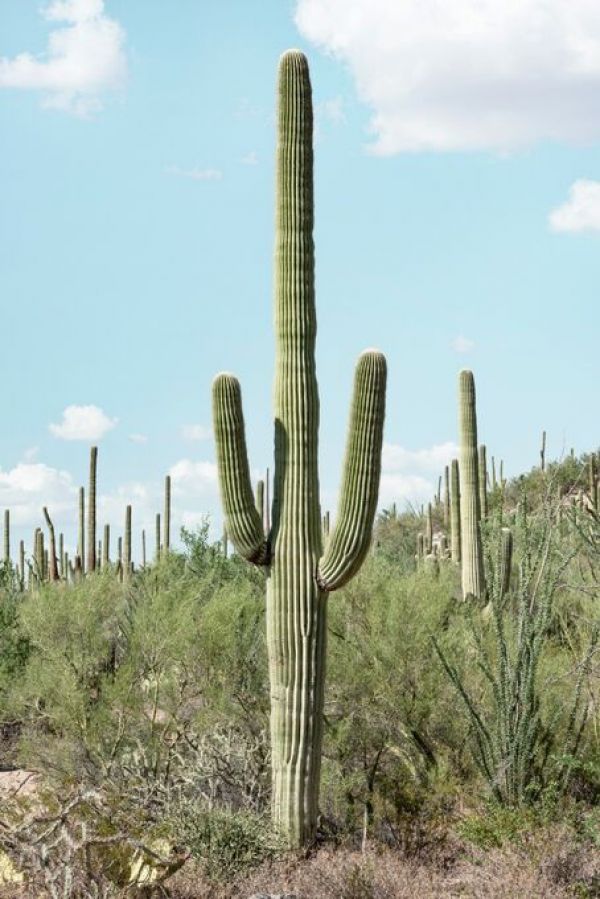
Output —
(91, 522)
(157, 538)
(61, 555)
(447, 497)
(106, 547)
(22, 563)
(260, 500)
(429, 530)
(127, 545)
(81, 539)
(455, 542)
(53, 574)
(473, 583)
(167, 521)
(482, 475)
(299, 577)
(543, 452)
(6, 536)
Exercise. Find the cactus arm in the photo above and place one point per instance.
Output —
(242, 521)
(351, 537)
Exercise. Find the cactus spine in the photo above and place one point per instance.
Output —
(167, 521)
(299, 577)
(91, 520)
(482, 475)
(471, 550)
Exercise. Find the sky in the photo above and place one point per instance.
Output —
(457, 225)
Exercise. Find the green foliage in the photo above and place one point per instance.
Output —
(225, 842)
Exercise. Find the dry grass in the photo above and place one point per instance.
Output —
(553, 868)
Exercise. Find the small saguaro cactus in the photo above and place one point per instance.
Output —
(543, 452)
(91, 521)
(473, 583)
(260, 500)
(157, 538)
(299, 575)
(143, 548)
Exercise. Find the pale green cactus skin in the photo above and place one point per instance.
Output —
(473, 583)
(91, 517)
(454, 512)
(482, 475)
(299, 575)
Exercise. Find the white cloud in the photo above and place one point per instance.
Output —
(195, 174)
(83, 423)
(189, 478)
(250, 158)
(466, 74)
(138, 438)
(30, 453)
(412, 475)
(29, 486)
(581, 212)
(396, 458)
(195, 432)
(84, 59)
(462, 344)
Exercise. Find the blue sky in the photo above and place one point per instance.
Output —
(457, 225)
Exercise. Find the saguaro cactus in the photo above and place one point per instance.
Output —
(81, 536)
(446, 496)
(127, 545)
(106, 547)
(167, 521)
(482, 475)
(471, 550)
(52, 563)
(91, 521)
(429, 530)
(299, 575)
(6, 536)
(454, 512)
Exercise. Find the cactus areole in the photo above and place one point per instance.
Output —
(299, 574)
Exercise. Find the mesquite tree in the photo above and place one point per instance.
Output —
(299, 575)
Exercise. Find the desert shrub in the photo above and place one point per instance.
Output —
(225, 841)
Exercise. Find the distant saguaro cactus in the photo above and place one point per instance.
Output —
(53, 574)
(91, 534)
(299, 575)
(543, 452)
(446, 496)
(454, 512)
(143, 548)
(127, 545)
(429, 530)
(80, 569)
(473, 583)
(106, 547)
(482, 475)
(6, 536)
(167, 521)
(506, 553)
(157, 538)
(260, 500)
